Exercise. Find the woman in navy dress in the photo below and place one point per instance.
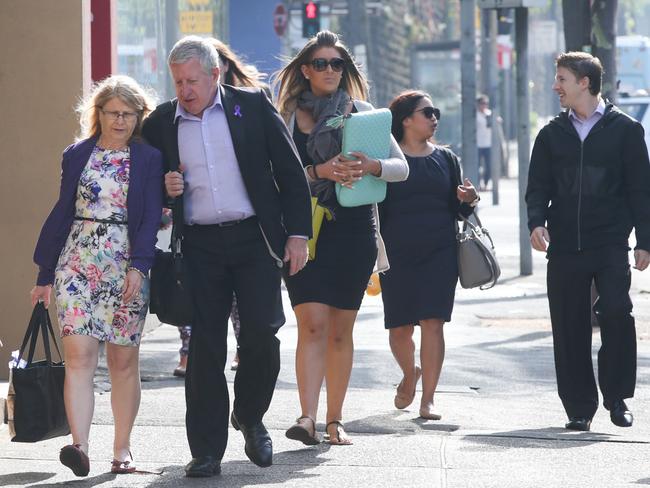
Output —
(418, 225)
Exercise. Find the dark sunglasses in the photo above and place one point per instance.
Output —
(429, 112)
(321, 64)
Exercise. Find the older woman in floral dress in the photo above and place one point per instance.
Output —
(95, 250)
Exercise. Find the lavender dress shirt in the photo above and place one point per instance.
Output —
(583, 127)
(214, 187)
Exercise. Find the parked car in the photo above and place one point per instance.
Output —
(639, 108)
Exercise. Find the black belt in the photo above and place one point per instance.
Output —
(230, 223)
(103, 221)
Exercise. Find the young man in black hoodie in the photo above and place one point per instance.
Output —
(588, 186)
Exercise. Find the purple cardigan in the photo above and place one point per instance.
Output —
(144, 204)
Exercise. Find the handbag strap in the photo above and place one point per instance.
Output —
(30, 333)
(40, 319)
(478, 227)
(51, 329)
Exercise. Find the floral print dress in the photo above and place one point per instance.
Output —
(92, 267)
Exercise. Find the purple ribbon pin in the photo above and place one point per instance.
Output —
(237, 112)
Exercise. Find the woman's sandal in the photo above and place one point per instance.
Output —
(300, 431)
(123, 467)
(338, 440)
(74, 458)
(403, 400)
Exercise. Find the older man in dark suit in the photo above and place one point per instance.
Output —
(247, 215)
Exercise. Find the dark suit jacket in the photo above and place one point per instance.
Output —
(268, 161)
(144, 203)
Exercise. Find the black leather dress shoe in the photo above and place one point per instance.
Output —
(619, 413)
(203, 467)
(578, 423)
(259, 447)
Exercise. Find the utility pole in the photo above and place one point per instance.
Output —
(358, 33)
(171, 36)
(469, 151)
(495, 103)
(523, 136)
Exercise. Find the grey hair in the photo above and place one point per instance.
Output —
(190, 47)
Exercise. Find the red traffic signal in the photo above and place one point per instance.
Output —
(311, 10)
(310, 19)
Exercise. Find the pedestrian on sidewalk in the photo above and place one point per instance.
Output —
(588, 186)
(484, 124)
(322, 82)
(95, 249)
(418, 221)
(235, 73)
(247, 214)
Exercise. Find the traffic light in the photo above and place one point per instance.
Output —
(310, 19)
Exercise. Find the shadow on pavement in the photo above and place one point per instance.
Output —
(540, 438)
(389, 423)
(24, 478)
(287, 465)
(78, 482)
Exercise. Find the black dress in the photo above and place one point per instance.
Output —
(418, 227)
(346, 252)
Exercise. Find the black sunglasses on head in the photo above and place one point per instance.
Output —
(429, 112)
(321, 64)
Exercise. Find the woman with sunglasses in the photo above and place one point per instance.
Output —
(418, 224)
(320, 83)
(95, 249)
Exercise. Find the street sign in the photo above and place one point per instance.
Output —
(511, 3)
(280, 19)
(195, 22)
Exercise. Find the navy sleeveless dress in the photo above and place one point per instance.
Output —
(418, 227)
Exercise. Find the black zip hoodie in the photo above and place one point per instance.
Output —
(598, 189)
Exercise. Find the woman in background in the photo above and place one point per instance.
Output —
(418, 221)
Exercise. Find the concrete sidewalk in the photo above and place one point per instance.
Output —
(501, 427)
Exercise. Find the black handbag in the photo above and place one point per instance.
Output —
(170, 297)
(477, 262)
(35, 410)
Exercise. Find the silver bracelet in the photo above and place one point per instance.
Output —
(142, 275)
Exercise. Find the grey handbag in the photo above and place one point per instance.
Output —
(477, 263)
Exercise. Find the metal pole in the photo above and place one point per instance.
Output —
(493, 92)
(358, 35)
(523, 135)
(487, 61)
(469, 151)
(171, 36)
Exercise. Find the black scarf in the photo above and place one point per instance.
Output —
(324, 142)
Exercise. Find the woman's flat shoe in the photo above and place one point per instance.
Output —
(429, 414)
(74, 458)
(300, 431)
(341, 438)
(123, 467)
(403, 400)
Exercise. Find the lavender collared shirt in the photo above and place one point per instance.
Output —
(214, 187)
(583, 127)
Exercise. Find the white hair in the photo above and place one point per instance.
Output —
(195, 47)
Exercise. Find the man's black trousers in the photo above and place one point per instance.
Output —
(569, 280)
(222, 260)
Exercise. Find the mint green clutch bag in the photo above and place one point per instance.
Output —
(367, 132)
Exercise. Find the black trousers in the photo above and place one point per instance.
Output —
(222, 260)
(569, 280)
